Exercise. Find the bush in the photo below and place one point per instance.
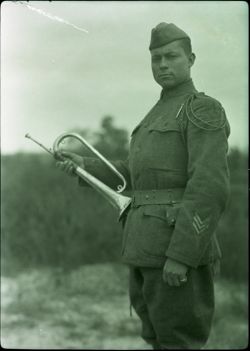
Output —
(233, 228)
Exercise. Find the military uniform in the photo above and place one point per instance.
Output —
(177, 170)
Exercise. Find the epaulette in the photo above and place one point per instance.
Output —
(205, 112)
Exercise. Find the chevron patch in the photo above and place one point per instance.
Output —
(198, 224)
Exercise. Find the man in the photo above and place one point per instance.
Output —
(178, 173)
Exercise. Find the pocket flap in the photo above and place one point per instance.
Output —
(153, 211)
(165, 126)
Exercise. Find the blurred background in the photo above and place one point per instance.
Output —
(85, 66)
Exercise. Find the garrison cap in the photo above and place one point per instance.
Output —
(164, 33)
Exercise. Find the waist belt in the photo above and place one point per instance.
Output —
(156, 197)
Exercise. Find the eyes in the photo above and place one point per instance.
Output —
(157, 58)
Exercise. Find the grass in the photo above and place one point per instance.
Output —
(89, 309)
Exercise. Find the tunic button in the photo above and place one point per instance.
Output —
(147, 197)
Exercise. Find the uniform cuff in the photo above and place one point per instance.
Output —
(183, 259)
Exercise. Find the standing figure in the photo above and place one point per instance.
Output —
(178, 174)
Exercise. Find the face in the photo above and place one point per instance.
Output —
(171, 65)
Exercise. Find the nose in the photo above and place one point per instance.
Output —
(164, 62)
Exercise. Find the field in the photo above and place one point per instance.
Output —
(88, 308)
(48, 221)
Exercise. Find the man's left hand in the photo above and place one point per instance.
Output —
(174, 272)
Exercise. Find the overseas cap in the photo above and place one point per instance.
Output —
(164, 33)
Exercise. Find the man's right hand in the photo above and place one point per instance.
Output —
(68, 161)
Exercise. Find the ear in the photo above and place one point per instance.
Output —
(191, 59)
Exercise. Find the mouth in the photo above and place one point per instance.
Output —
(165, 75)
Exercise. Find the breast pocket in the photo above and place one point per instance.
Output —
(168, 150)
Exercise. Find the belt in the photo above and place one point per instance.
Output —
(156, 197)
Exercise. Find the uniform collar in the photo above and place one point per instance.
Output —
(181, 89)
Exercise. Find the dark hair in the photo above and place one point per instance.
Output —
(186, 45)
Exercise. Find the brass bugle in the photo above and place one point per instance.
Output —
(119, 201)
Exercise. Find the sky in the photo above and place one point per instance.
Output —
(57, 77)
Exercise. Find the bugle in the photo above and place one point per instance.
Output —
(120, 202)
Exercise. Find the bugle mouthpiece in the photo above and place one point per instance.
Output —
(27, 135)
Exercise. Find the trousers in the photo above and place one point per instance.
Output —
(173, 317)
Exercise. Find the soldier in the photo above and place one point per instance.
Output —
(177, 170)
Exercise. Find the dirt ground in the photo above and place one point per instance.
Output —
(89, 309)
